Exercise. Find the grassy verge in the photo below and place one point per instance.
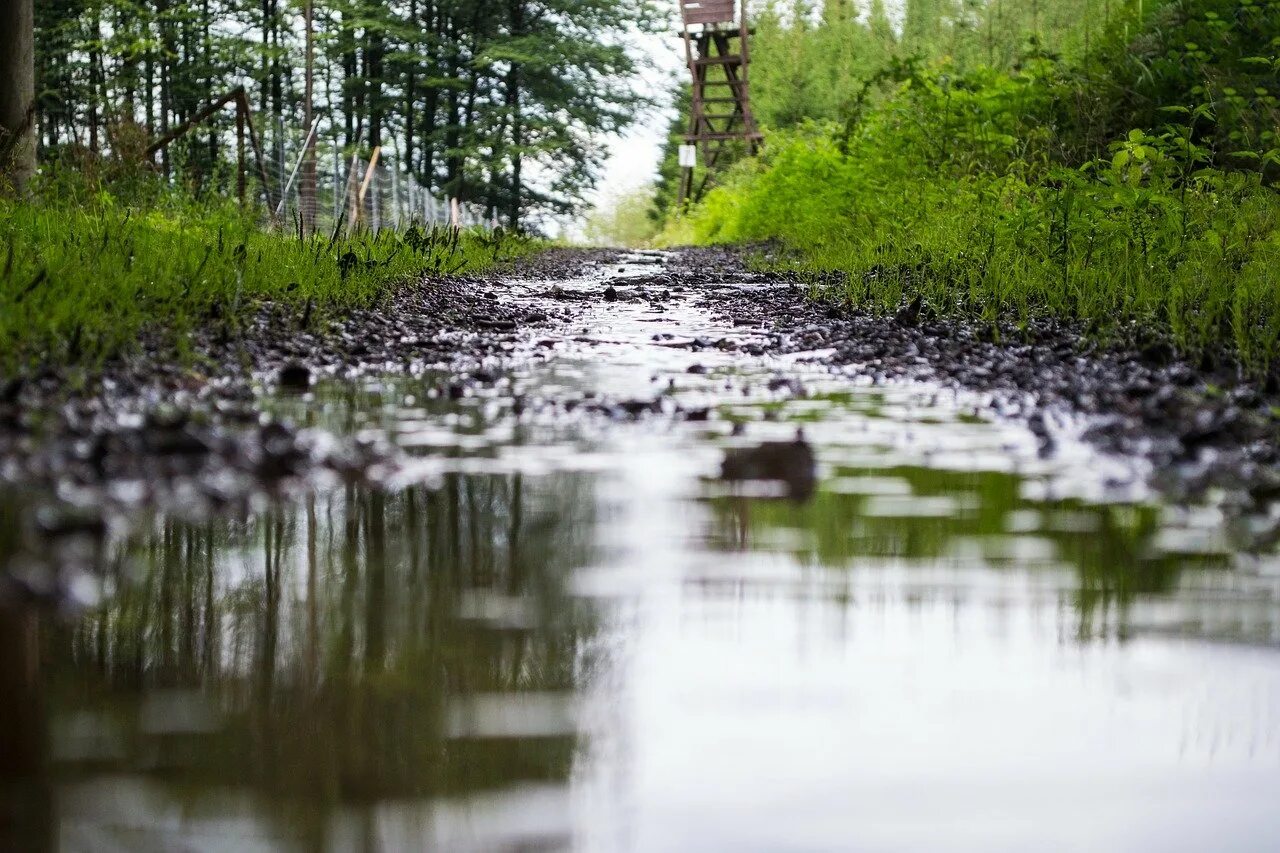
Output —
(1052, 190)
(79, 285)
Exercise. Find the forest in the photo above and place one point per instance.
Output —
(905, 476)
(497, 106)
(473, 96)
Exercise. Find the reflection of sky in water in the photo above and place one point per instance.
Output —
(569, 635)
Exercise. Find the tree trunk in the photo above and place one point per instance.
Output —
(307, 184)
(516, 11)
(410, 96)
(17, 94)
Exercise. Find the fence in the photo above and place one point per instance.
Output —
(376, 193)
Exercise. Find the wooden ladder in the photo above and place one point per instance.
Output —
(720, 115)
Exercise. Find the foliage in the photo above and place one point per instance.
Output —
(474, 95)
(989, 193)
(79, 283)
(624, 220)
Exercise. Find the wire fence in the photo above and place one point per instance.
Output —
(350, 192)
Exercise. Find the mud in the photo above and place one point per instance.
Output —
(149, 430)
(1197, 427)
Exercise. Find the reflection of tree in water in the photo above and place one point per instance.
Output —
(1110, 548)
(330, 638)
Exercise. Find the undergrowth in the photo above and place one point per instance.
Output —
(1144, 211)
(80, 283)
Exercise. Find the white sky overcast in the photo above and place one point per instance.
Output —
(633, 155)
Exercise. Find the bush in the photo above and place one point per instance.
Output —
(79, 283)
(970, 192)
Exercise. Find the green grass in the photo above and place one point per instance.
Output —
(80, 284)
(1132, 260)
(1131, 192)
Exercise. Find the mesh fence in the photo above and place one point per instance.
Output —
(349, 192)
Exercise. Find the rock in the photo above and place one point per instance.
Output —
(294, 375)
(610, 294)
(909, 314)
(496, 324)
(789, 462)
(11, 390)
(635, 408)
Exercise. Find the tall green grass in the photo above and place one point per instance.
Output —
(80, 284)
(1002, 195)
(1113, 247)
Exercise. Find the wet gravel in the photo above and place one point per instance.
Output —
(191, 437)
(1199, 428)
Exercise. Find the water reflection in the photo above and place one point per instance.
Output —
(1101, 557)
(320, 656)
(619, 634)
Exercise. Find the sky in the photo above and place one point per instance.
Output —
(633, 156)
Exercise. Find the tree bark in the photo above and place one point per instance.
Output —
(307, 180)
(17, 94)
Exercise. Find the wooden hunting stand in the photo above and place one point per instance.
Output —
(720, 114)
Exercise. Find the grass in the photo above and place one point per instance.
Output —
(1133, 258)
(1143, 210)
(80, 284)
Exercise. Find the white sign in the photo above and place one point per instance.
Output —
(688, 156)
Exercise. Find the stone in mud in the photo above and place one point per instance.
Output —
(636, 408)
(610, 294)
(11, 390)
(295, 376)
(788, 462)
(696, 368)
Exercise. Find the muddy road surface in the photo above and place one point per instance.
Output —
(639, 551)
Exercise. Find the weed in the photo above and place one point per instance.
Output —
(79, 285)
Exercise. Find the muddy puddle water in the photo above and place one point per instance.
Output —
(560, 629)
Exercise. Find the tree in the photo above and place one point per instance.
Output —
(17, 93)
(471, 97)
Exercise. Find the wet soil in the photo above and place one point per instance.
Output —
(192, 435)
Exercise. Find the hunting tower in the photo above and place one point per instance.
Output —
(715, 47)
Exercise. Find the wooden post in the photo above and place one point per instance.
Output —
(353, 193)
(242, 101)
(368, 176)
(240, 171)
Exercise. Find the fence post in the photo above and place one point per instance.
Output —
(395, 198)
(240, 174)
(288, 186)
(353, 193)
(337, 192)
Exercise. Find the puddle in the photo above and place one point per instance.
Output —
(563, 630)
